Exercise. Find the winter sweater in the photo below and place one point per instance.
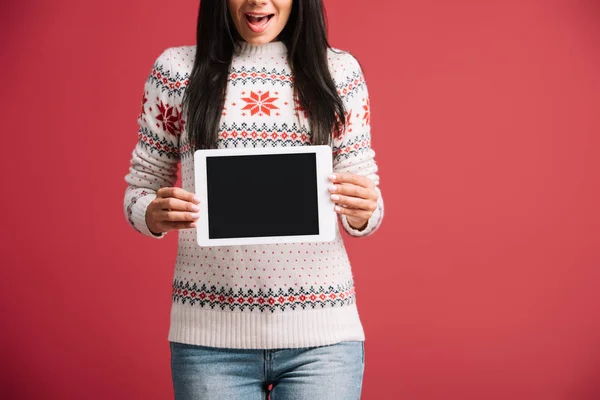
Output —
(253, 296)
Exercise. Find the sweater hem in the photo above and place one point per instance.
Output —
(253, 330)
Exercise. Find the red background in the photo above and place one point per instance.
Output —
(483, 280)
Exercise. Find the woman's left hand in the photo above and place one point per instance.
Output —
(355, 196)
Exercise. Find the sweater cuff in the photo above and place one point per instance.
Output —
(138, 215)
(372, 225)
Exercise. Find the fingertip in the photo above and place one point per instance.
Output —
(196, 199)
(332, 177)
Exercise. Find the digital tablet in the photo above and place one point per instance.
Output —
(264, 195)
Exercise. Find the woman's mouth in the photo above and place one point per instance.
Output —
(258, 22)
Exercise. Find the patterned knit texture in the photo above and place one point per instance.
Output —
(254, 296)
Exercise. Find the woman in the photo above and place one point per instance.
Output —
(246, 318)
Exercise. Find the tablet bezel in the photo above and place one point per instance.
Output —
(327, 214)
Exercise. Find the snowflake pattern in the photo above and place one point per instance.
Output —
(367, 108)
(169, 117)
(144, 101)
(299, 109)
(348, 115)
(259, 103)
(338, 133)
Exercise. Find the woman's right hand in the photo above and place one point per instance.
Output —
(172, 209)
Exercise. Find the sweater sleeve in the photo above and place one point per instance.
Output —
(155, 158)
(352, 151)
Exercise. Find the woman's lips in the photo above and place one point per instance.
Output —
(258, 22)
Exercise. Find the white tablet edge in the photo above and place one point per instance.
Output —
(327, 215)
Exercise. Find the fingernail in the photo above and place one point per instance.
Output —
(338, 208)
(195, 208)
(193, 225)
(332, 188)
(196, 216)
(197, 199)
(335, 197)
(332, 177)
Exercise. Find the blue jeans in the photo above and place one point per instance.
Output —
(331, 372)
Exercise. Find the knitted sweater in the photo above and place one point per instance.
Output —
(253, 296)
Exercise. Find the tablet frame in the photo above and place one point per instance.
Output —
(327, 214)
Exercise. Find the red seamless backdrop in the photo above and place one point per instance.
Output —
(482, 282)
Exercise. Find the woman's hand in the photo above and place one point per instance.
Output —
(355, 196)
(173, 208)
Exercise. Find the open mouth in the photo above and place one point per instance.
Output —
(258, 22)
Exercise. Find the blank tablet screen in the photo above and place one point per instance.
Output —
(262, 195)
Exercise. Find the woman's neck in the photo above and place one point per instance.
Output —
(271, 48)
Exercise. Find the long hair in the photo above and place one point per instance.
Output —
(305, 36)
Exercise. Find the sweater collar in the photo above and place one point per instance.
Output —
(272, 48)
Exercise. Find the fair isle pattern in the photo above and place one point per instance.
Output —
(161, 79)
(253, 75)
(284, 310)
(185, 148)
(352, 85)
(158, 144)
(353, 147)
(270, 300)
(264, 136)
(255, 135)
